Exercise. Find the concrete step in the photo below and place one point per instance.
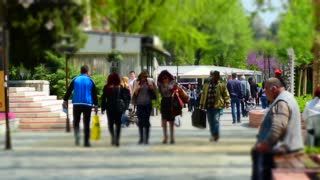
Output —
(43, 126)
(43, 120)
(21, 89)
(56, 114)
(27, 93)
(39, 104)
(46, 109)
(31, 99)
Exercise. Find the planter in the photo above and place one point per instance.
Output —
(13, 122)
(255, 117)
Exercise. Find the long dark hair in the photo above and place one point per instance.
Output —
(142, 74)
(165, 73)
(113, 80)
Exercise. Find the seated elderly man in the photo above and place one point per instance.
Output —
(311, 114)
(280, 130)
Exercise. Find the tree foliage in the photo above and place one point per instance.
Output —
(31, 39)
(296, 30)
(217, 32)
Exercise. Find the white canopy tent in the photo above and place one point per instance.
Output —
(203, 71)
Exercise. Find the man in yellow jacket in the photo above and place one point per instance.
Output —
(214, 98)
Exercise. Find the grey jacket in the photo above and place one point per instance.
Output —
(291, 139)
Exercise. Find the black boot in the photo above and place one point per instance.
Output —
(117, 137)
(147, 135)
(140, 135)
(86, 140)
(77, 137)
(112, 135)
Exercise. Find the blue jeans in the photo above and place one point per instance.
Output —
(264, 102)
(213, 119)
(235, 103)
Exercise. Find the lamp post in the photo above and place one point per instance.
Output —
(68, 49)
(4, 62)
(4, 51)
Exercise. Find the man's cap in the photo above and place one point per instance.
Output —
(277, 71)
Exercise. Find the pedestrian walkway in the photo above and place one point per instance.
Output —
(52, 155)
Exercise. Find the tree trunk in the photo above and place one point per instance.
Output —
(299, 82)
(316, 46)
(305, 81)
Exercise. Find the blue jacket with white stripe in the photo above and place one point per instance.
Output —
(84, 91)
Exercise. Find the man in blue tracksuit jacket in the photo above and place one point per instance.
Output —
(83, 99)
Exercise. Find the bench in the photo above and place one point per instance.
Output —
(296, 166)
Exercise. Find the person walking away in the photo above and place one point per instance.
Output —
(189, 90)
(112, 93)
(311, 115)
(166, 86)
(253, 89)
(193, 98)
(280, 130)
(278, 74)
(125, 84)
(144, 87)
(234, 88)
(84, 98)
(132, 78)
(214, 98)
(263, 98)
(245, 90)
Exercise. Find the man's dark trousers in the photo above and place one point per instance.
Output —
(77, 111)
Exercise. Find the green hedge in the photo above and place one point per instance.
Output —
(302, 100)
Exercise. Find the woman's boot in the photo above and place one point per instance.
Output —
(111, 130)
(140, 135)
(147, 135)
(165, 135)
(117, 137)
(172, 132)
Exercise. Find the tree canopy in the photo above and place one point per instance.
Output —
(215, 32)
(34, 31)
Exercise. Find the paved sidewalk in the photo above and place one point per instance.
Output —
(52, 155)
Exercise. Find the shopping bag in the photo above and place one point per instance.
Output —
(199, 118)
(95, 129)
(177, 121)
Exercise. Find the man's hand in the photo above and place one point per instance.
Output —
(96, 109)
(227, 105)
(263, 147)
(65, 104)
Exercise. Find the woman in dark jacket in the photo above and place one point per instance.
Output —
(112, 91)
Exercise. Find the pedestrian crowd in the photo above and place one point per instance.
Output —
(279, 132)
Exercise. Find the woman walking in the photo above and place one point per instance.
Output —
(112, 95)
(144, 92)
(166, 86)
(125, 84)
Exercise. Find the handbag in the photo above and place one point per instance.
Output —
(120, 104)
(95, 128)
(199, 118)
(183, 95)
(152, 94)
(176, 105)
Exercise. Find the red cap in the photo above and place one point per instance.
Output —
(277, 71)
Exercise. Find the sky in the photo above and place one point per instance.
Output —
(268, 17)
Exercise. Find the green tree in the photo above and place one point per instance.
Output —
(296, 31)
(31, 37)
(195, 32)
